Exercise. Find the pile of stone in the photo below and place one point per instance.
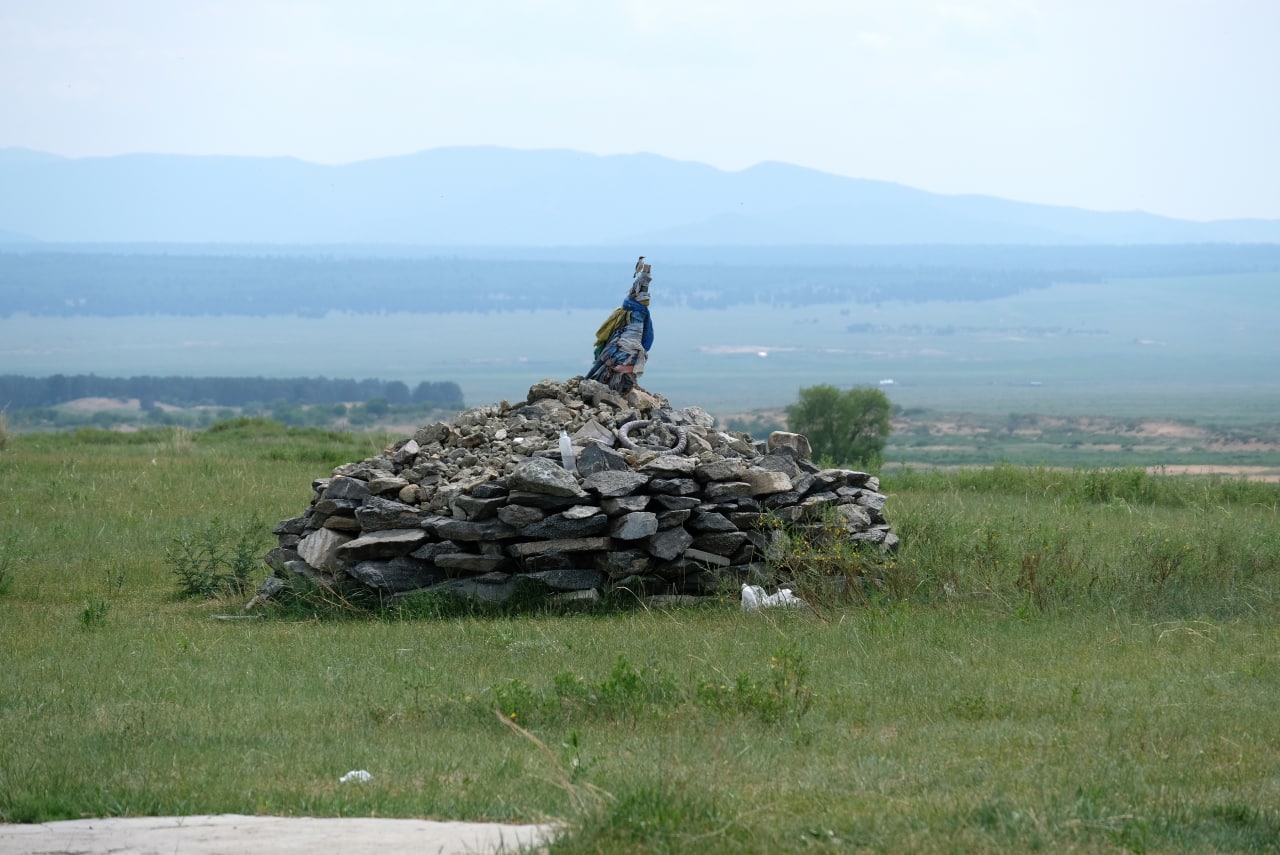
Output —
(574, 490)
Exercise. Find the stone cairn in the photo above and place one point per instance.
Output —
(576, 490)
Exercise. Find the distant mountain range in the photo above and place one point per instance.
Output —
(478, 196)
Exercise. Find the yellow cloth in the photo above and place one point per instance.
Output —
(612, 324)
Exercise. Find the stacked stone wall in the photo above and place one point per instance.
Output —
(575, 490)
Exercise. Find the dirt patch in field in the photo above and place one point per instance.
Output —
(1266, 474)
(1172, 430)
(102, 405)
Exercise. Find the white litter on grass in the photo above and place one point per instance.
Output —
(355, 775)
(754, 598)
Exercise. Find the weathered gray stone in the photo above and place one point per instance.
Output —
(779, 462)
(670, 465)
(794, 441)
(319, 549)
(701, 557)
(668, 519)
(277, 558)
(471, 508)
(854, 517)
(519, 516)
(668, 544)
(704, 521)
(467, 530)
(342, 522)
(677, 503)
(674, 486)
(467, 562)
(721, 542)
(326, 506)
(635, 526)
(387, 484)
(766, 482)
(720, 490)
(297, 525)
(870, 499)
(396, 575)
(624, 504)
(539, 547)
(721, 469)
(612, 483)
(491, 489)
(563, 525)
(429, 551)
(544, 501)
(781, 500)
(538, 475)
(346, 488)
(386, 543)
(379, 514)
(571, 579)
(744, 520)
(815, 502)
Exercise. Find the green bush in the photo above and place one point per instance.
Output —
(215, 560)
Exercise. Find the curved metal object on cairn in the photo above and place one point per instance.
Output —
(682, 438)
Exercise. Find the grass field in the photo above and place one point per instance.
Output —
(1080, 660)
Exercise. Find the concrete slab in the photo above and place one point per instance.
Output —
(231, 834)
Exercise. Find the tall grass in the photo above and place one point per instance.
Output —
(1051, 665)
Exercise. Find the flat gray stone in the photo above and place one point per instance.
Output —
(613, 483)
(578, 544)
(721, 469)
(624, 504)
(570, 579)
(455, 529)
(670, 465)
(539, 475)
(635, 526)
(669, 544)
(379, 514)
(381, 544)
(562, 525)
(467, 562)
(396, 575)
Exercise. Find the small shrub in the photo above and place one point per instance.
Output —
(94, 613)
(4, 430)
(215, 560)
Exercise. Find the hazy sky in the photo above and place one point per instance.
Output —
(1168, 106)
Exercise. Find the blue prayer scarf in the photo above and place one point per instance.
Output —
(646, 338)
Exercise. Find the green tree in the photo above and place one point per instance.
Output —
(849, 427)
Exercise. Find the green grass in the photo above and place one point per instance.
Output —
(1058, 661)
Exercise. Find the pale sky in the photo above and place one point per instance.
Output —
(1167, 106)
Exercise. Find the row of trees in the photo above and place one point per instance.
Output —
(18, 392)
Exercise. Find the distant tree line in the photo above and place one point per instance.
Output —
(29, 392)
(105, 284)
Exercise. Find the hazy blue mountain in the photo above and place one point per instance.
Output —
(495, 196)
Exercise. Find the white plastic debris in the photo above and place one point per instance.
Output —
(359, 775)
(566, 453)
(754, 598)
